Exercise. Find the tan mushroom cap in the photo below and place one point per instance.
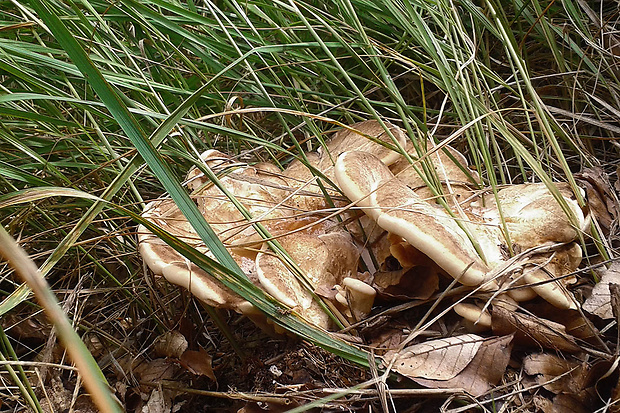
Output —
(215, 160)
(549, 288)
(311, 198)
(519, 289)
(546, 275)
(474, 314)
(324, 259)
(164, 260)
(306, 195)
(450, 171)
(360, 297)
(397, 209)
(259, 189)
(533, 216)
(346, 139)
(253, 187)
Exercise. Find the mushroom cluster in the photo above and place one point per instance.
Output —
(513, 244)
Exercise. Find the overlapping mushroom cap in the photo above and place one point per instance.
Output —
(324, 252)
(398, 209)
(325, 260)
(164, 260)
(400, 220)
(533, 218)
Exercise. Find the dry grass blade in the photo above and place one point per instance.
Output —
(86, 364)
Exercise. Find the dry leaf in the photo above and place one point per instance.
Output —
(485, 370)
(532, 330)
(599, 302)
(155, 370)
(171, 344)
(385, 336)
(601, 199)
(578, 403)
(574, 322)
(198, 362)
(548, 368)
(159, 402)
(562, 403)
(416, 283)
(440, 359)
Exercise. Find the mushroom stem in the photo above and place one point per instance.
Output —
(361, 297)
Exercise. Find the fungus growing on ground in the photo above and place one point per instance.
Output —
(325, 260)
(324, 252)
(164, 260)
(398, 209)
(356, 297)
(401, 220)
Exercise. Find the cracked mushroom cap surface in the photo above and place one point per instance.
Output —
(325, 259)
(305, 195)
(311, 197)
(258, 188)
(253, 187)
(399, 210)
(534, 218)
(346, 139)
(452, 170)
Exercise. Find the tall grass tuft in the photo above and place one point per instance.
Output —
(114, 101)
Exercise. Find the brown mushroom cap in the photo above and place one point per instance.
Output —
(450, 171)
(533, 216)
(260, 191)
(254, 188)
(396, 208)
(324, 259)
(307, 195)
(164, 260)
(346, 139)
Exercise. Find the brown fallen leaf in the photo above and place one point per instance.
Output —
(531, 330)
(575, 323)
(556, 374)
(148, 374)
(602, 201)
(599, 302)
(483, 372)
(578, 403)
(440, 359)
(155, 370)
(198, 363)
(171, 344)
(416, 283)
(159, 401)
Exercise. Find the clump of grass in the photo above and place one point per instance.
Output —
(115, 99)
